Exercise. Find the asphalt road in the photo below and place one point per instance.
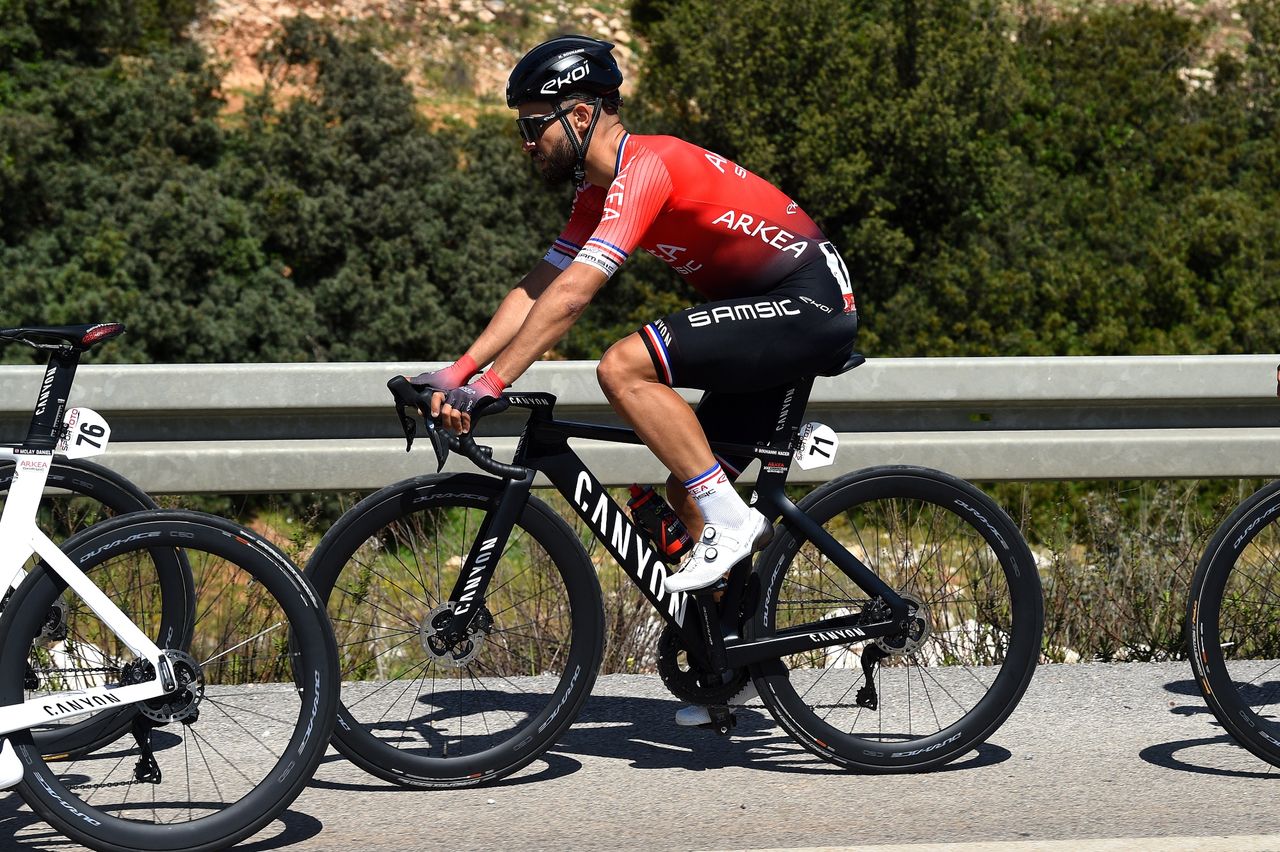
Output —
(1098, 757)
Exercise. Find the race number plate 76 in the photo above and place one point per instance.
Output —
(87, 434)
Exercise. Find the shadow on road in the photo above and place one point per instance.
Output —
(1165, 755)
(1188, 688)
(1232, 761)
(642, 732)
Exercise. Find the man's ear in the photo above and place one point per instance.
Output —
(581, 116)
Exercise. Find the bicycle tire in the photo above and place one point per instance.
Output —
(233, 748)
(79, 493)
(414, 716)
(1232, 640)
(945, 544)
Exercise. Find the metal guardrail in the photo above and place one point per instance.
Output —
(318, 427)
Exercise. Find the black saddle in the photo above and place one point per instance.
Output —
(854, 360)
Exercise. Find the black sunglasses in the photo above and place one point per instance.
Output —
(532, 126)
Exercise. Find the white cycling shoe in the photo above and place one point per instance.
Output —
(718, 550)
(696, 715)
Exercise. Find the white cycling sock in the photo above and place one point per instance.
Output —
(716, 498)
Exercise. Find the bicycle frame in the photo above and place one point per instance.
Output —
(544, 448)
(20, 537)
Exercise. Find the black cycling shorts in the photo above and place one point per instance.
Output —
(745, 352)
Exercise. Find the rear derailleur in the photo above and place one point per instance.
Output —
(894, 645)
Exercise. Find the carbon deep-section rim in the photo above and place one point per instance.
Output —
(415, 713)
(941, 543)
(1233, 609)
(239, 739)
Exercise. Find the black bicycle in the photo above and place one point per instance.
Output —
(1235, 594)
(892, 625)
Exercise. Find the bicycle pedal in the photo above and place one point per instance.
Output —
(10, 766)
(722, 720)
(710, 593)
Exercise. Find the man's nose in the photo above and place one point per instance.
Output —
(530, 147)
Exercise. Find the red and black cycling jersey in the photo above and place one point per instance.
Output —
(729, 232)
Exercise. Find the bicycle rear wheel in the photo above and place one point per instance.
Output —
(80, 493)
(948, 683)
(219, 758)
(418, 714)
(1233, 624)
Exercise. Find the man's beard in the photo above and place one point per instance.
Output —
(557, 167)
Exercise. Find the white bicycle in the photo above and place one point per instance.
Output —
(191, 635)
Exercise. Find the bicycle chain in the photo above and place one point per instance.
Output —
(81, 671)
(101, 786)
(116, 670)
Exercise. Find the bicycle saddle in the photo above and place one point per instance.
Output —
(854, 360)
(80, 337)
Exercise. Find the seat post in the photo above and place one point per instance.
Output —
(791, 412)
(51, 403)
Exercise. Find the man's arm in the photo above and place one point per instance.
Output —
(548, 319)
(511, 314)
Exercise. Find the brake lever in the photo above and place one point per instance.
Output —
(439, 443)
(407, 396)
(409, 425)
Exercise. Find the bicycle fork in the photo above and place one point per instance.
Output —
(468, 613)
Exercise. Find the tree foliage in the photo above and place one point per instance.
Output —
(1000, 181)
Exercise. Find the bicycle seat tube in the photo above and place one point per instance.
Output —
(46, 418)
(775, 465)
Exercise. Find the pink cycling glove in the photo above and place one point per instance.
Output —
(447, 378)
(468, 397)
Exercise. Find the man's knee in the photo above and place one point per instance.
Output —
(624, 365)
(611, 371)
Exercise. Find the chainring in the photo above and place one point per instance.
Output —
(683, 679)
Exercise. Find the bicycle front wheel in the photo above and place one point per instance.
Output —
(419, 714)
(224, 753)
(1233, 624)
(946, 684)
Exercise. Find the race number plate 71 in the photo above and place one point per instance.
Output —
(818, 444)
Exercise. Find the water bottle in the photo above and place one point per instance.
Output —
(664, 528)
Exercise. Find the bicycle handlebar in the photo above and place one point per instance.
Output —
(418, 398)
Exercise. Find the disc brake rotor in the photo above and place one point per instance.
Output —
(459, 654)
(916, 633)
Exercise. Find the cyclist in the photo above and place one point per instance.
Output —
(779, 300)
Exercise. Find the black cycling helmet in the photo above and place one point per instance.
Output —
(564, 67)
(561, 67)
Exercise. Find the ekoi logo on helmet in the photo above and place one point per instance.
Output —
(572, 75)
